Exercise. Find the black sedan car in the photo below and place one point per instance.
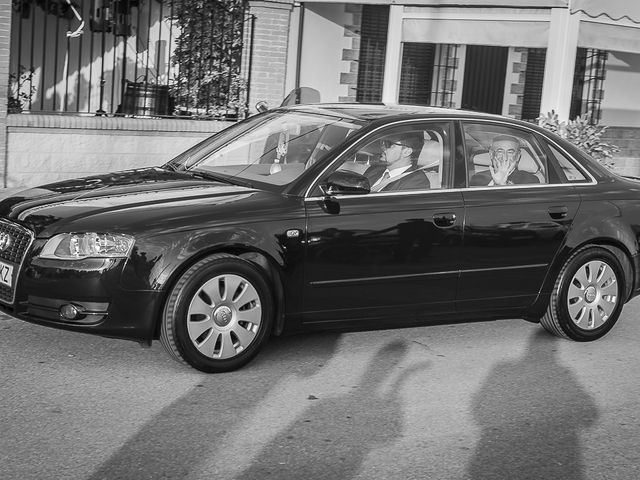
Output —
(328, 217)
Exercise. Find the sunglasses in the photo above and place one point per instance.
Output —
(388, 144)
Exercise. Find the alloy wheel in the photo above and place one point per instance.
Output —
(224, 316)
(592, 295)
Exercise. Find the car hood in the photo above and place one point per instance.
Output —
(122, 201)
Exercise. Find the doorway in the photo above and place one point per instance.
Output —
(485, 70)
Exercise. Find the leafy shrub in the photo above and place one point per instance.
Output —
(208, 54)
(21, 90)
(582, 134)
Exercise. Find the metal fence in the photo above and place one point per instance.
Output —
(588, 84)
(131, 57)
(428, 74)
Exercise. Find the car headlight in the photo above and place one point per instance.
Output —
(75, 246)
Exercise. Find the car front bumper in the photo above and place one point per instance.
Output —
(108, 298)
(124, 314)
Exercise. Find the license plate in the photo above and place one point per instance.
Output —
(6, 274)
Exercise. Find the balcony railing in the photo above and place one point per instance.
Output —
(131, 57)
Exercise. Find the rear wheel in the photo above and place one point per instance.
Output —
(587, 297)
(218, 315)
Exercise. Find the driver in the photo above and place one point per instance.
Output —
(399, 170)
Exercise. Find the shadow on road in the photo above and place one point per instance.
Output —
(262, 422)
(334, 435)
(531, 412)
(184, 434)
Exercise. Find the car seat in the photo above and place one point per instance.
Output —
(430, 160)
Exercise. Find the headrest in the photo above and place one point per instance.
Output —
(431, 154)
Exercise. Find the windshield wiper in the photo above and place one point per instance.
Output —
(207, 176)
(219, 178)
(170, 166)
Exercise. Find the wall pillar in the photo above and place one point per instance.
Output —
(5, 47)
(293, 48)
(514, 86)
(560, 63)
(270, 51)
(391, 83)
(352, 54)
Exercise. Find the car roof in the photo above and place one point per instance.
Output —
(376, 113)
(380, 111)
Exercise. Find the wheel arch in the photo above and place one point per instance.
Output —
(607, 228)
(620, 249)
(266, 264)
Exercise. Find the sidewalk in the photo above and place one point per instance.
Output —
(7, 192)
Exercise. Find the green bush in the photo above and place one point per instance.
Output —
(582, 134)
(21, 90)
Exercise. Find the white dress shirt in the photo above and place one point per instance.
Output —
(393, 173)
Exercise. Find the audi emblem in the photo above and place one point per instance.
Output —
(5, 241)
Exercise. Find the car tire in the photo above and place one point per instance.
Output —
(587, 296)
(218, 314)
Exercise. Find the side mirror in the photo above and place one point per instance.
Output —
(262, 106)
(345, 183)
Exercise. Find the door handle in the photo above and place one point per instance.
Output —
(444, 219)
(558, 213)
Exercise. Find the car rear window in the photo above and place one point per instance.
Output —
(487, 145)
(570, 172)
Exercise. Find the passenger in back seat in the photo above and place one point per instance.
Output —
(505, 153)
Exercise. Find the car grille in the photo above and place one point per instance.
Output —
(21, 239)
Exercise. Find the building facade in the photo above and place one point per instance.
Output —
(79, 113)
(516, 58)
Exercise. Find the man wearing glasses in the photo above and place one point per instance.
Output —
(399, 170)
(505, 153)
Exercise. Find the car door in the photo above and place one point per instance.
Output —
(513, 230)
(389, 254)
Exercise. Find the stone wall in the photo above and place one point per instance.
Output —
(516, 77)
(351, 54)
(47, 148)
(627, 139)
(38, 149)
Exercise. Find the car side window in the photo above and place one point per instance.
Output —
(407, 158)
(568, 170)
(502, 156)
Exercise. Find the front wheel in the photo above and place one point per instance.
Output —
(587, 297)
(218, 315)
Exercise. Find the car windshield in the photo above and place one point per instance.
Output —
(271, 149)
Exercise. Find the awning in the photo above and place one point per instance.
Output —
(614, 9)
(609, 37)
(609, 25)
(479, 32)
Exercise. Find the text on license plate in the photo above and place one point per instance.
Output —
(6, 273)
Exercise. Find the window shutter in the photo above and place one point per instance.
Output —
(373, 48)
(534, 77)
(416, 75)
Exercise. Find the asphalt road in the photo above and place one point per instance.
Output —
(498, 400)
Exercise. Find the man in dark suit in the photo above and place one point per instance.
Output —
(399, 170)
(505, 153)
